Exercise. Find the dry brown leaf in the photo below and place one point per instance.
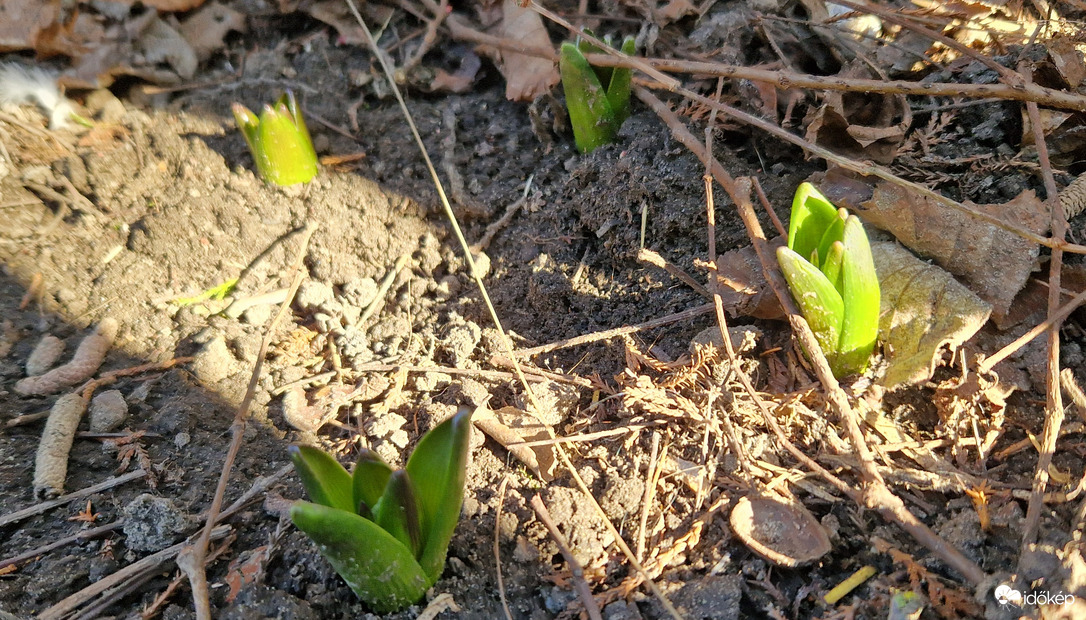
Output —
(862, 126)
(167, 6)
(743, 287)
(673, 11)
(1067, 58)
(205, 29)
(23, 21)
(526, 77)
(924, 309)
(992, 262)
(511, 427)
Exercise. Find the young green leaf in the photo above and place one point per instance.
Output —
(324, 479)
(369, 479)
(437, 468)
(860, 291)
(397, 512)
(816, 297)
(380, 570)
(831, 267)
(590, 111)
(812, 213)
(834, 233)
(279, 141)
(618, 86)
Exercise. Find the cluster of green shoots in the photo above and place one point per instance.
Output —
(386, 532)
(598, 98)
(279, 141)
(831, 274)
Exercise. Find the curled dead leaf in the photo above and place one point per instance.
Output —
(526, 77)
(784, 533)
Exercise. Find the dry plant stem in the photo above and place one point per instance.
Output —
(1067, 381)
(382, 290)
(78, 537)
(534, 374)
(654, 259)
(1053, 398)
(616, 332)
(874, 492)
(668, 81)
(506, 343)
(441, 11)
(41, 507)
(197, 552)
(495, 227)
(646, 499)
(1055, 318)
(789, 79)
(153, 561)
(497, 548)
(583, 591)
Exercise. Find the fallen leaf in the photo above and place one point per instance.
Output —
(743, 287)
(924, 309)
(526, 77)
(206, 29)
(673, 11)
(862, 126)
(511, 427)
(23, 21)
(992, 262)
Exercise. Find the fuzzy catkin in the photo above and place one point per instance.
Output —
(88, 357)
(45, 354)
(51, 464)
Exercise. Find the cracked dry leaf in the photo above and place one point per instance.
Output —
(511, 427)
(862, 126)
(994, 263)
(924, 308)
(526, 77)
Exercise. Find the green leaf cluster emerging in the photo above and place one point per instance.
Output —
(598, 98)
(279, 141)
(386, 532)
(831, 274)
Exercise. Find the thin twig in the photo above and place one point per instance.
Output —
(616, 332)
(497, 548)
(1053, 397)
(646, 499)
(41, 507)
(56, 544)
(583, 591)
(197, 552)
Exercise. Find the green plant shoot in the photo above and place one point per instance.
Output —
(279, 141)
(386, 532)
(831, 274)
(598, 98)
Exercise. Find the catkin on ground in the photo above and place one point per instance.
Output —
(88, 357)
(51, 464)
(45, 354)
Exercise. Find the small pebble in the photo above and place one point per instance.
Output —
(153, 523)
(213, 362)
(108, 411)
